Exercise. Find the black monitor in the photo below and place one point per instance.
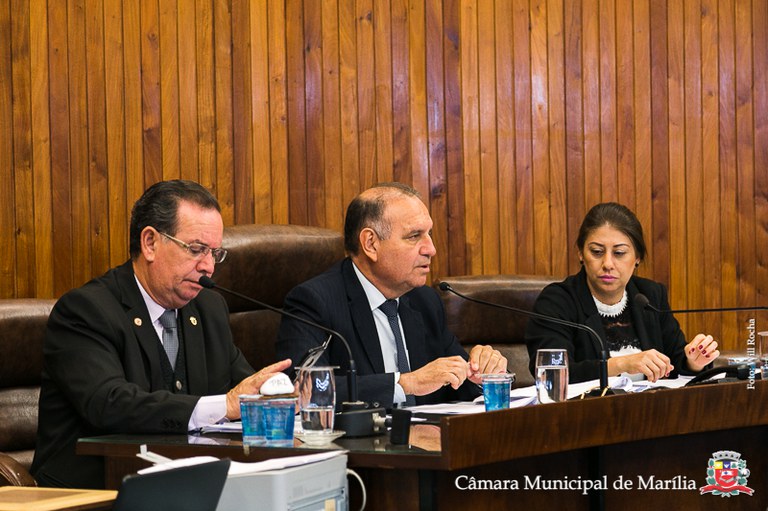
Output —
(191, 488)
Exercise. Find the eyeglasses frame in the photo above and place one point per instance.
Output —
(204, 251)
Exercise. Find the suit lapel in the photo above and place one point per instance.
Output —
(414, 330)
(362, 319)
(590, 312)
(137, 313)
(194, 349)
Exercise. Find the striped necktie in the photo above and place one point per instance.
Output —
(389, 308)
(170, 335)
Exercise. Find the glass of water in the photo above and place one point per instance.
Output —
(496, 388)
(762, 351)
(317, 400)
(552, 375)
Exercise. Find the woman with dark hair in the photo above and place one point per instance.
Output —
(602, 295)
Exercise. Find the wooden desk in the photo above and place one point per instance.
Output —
(25, 498)
(656, 438)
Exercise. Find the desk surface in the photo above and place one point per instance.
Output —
(463, 441)
(665, 432)
(15, 498)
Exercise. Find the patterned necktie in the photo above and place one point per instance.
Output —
(170, 335)
(389, 308)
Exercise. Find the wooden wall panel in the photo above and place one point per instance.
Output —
(22, 150)
(760, 57)
(505, 143)
(641, 132)
(435, 118)
(575, 182)
(525, 254)
(8, 277)
(710, 200)
(42, 194)
(334, 186)
(115, 147)
(727, 149)
(512, 118)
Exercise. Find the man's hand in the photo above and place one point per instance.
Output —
(251, 385)
(485, 360)
(438, 373)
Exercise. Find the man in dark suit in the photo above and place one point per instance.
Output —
(377, 299)
(142, 349)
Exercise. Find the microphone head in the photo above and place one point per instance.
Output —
(642, 301)
(207, 282)
(444, 286)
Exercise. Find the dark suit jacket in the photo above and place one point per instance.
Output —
(336, 300)
(102, 372)
(571, 300)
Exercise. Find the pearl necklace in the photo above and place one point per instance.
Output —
(611, 311)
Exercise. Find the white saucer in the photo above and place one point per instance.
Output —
(322, 438)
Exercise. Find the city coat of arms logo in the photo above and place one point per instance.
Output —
(727, 475)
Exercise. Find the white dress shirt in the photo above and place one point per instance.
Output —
(386, 337)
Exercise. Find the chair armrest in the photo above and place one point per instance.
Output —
(13, 473)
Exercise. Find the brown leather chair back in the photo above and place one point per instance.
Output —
(265, 262)
(474, 323)
(22, 330)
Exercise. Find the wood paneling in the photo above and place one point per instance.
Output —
(511, 117)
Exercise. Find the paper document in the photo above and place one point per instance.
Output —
(477, 406)
(626, 384)
(237, 468)
(516, 400)
(225, 427)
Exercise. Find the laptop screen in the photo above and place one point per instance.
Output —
(190, 488)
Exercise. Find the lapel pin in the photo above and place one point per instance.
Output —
(137, 321)
(193, 320)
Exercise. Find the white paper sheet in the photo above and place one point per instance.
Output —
(237, 468)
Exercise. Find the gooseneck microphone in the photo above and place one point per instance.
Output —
(208, 282)
(604, 389)
(643, 302)
(742, 372)
(356, 418)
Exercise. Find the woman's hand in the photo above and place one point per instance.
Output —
(701, 351)
(653, 364)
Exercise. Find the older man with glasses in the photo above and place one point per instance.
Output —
(143, 348)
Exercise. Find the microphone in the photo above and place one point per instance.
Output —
(208, 282)
(643, 302)
(355, 419)
(604, 389)
(739, 372)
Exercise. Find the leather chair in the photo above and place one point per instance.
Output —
(474, 323)
(22, 329)
(265, 262)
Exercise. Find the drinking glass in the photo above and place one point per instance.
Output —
(552, 375)
(496, 389)
(279, 416)
(317, 400)
(252, 414)
(762, 350)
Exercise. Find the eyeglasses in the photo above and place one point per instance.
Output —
(198, 250)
